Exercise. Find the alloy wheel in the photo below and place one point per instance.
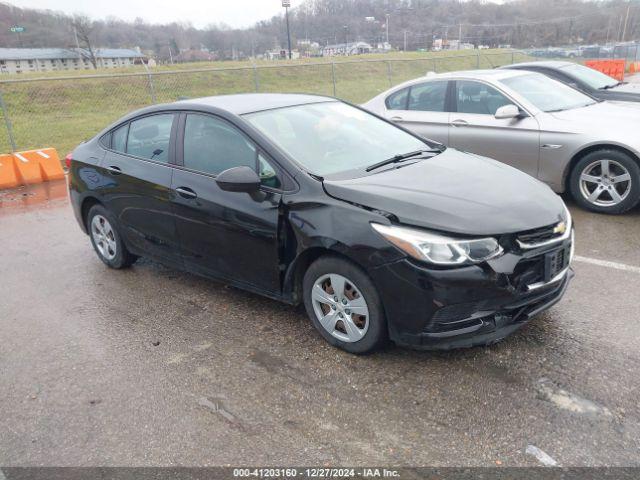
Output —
(104, 237)
(340, 307)
(605, 183)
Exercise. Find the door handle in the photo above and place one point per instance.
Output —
(396, 119)
(186, 192)
(114, 170)
(459, 123)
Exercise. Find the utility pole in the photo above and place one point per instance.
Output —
(459, 36)
(388, 15)
(286, 4)
(405, 40)
(626, 20)
(75, 34)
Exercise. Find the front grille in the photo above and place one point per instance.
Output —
(468, 315)
(539, 235)
(459, 311)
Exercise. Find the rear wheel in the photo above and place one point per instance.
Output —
(344, 306)
(106, 239)
(606, 181)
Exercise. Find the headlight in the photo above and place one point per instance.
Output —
(439, 249)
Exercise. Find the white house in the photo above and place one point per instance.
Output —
(21, 60)
(346, 49)
(281, 55)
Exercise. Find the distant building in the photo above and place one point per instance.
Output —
(346, 49)
(21, 60)
(281, 55)
(444, 44)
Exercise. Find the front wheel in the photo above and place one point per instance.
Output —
(606, 181)
(344, 305)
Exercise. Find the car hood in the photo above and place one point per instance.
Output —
(456, 192)
(608, 119)
(623, 93)
(627, 88)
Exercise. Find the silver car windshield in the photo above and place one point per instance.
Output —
(591, 77)
(546, 94)
(333, 137)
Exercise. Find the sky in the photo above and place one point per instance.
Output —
(236, 13)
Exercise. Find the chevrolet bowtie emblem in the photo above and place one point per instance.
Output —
(560, 228)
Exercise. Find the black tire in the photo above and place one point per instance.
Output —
(623, 159)
(376, 335)
(122, 258)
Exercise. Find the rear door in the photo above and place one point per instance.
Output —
(423, 109)
(474, 128)
(137, 184)
(231, 235)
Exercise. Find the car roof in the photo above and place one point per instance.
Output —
(544, 64)
(241, 104)
(495, 74)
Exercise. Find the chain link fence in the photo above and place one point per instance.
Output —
(60, 112)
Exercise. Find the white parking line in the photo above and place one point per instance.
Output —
(542, 457)
(604, 263)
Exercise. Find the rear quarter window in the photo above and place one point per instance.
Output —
(119, 138)
(398, 100)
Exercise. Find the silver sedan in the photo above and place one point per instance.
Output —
(549, 130)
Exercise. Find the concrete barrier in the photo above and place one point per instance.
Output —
(28, 167)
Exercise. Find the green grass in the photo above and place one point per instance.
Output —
(60, 112)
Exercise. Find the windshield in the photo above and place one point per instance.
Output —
(546, 94)
(591, 77)
(333, 137)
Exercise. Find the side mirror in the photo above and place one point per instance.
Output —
(238, 179)
(507, 111)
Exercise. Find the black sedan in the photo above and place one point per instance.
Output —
(587, 80)
(305, 199)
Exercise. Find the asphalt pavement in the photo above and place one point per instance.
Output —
(153, 366)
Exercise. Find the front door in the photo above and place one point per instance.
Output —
(137, 185)
(229, 235)
(474, 128)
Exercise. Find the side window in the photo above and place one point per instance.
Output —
(212, 145)
(149, 137)
(398, 100)
(119, 138)
(428, 97)
(476, 97)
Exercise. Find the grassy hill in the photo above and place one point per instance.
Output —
(60, 109)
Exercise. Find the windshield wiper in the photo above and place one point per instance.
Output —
(400, 158)
(607, 87)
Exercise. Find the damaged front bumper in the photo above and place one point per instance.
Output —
(474, 305)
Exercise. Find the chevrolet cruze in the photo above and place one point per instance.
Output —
(380, 233)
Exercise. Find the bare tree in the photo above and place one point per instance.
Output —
(83, 29)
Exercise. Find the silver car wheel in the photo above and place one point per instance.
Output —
(605, 183)
(340, 307)
(104, 237)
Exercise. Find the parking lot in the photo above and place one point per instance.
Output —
(152, 366)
